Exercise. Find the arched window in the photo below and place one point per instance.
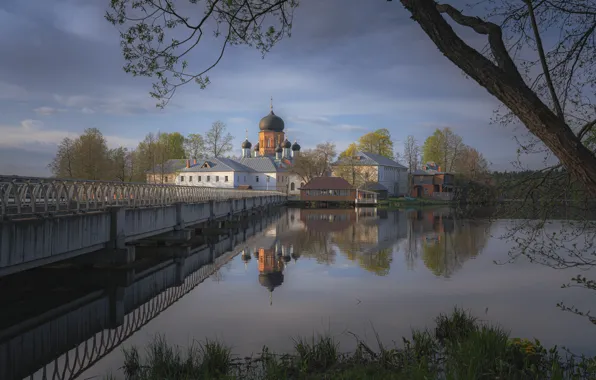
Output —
(301, 184)
(292, 187)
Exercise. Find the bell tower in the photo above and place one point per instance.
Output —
(271, 134)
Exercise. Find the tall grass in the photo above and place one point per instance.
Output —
(458, 348)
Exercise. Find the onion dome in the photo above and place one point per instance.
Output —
(295, 256)
(271, 280)
(256, 147)
(272, 122)
(287, 258)
(246, 144)
(279, 149)
(295, 146)
(287, 144)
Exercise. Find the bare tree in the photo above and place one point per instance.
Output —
(62, 164)
(411, 153)
(313, 163)
(194, 146)
(217, 141)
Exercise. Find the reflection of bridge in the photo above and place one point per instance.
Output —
(66, 341)
(45, 220)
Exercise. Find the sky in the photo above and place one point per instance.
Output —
(349, 67)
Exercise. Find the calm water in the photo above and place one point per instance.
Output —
(303, 271)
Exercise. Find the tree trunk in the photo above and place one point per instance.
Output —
(506, 84)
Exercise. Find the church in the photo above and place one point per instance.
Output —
(264, 166)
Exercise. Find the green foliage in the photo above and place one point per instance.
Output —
(460, 347)
(378, 142)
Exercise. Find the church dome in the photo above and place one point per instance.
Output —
(279, 149)
(271, 280)
(246, 144)
(287, 144)
(295, 146)
(256, 147)
(271, 122)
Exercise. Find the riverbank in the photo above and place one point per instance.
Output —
(458, 347)
(402, 203)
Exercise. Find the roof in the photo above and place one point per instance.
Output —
(262, 164)
(327, 183)
(373, 186)
(372, 159)
(219, 164)
(170, 166)
(271, 122)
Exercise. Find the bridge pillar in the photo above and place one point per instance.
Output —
(117, 227)
(180, 223)
(116, 296)
(179, 271)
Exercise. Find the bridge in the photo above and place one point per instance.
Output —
(67, 339)
(43, 221)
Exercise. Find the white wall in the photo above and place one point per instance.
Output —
(394, 179)
(203, 182)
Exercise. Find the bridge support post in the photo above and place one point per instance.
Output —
(179, 270)
(116, 297)
(117, 228)
(180, 223)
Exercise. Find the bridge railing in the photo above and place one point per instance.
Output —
(22, 196)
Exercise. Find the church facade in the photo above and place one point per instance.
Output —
(264, 166)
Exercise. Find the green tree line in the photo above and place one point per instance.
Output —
(88, 156)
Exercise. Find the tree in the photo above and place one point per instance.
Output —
(471, 164)
(443, 147)
(313, 163)
(217, 141)
(172, 145)
(242, 23)
(411, 153)
(63, 163)
(378, 142)
(121, 164)
(194, 146)
(349, 152)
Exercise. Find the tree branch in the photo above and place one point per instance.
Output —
(495, 37)
(543, 63)
(585, 129)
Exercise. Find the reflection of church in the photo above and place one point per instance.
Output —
(273, 253)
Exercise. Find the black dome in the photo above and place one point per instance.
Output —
(256, 147)
(271, 280)
(271, 122)
(295, 146)
(246, 144)
(279, 149)
(287, 144)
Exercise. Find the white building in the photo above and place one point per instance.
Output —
(264, 167)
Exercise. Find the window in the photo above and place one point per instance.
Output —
(199, 178)
(257, 178)
(237, 178)
(226, 179)
(189, 178)
(268, 178)
(216, 178)
(165, 179)
(244, 178)
(208, 178)
(181, 178)
(292, 186)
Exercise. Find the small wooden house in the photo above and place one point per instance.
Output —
(328, 189)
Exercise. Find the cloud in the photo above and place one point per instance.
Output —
(348, 127)
(10, 91)
(239, 120)
(46, 111)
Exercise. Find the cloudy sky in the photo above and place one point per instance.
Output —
(350, 67)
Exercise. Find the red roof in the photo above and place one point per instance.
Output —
(327, 183)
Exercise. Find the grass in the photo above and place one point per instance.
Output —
(458, 348)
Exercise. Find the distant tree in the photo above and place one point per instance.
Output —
(121, 164)
(172, 145)
(472, 164)
(313, 163)
(443, 147)
(378, 142)
(194, 146)
(217, 141)
(411, 154)
(92, 160)
(62, 165)
(349, 152)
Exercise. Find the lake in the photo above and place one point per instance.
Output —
(301, 271)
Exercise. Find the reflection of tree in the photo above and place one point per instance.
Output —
(313, 245)
(445, 252)
(360, 243)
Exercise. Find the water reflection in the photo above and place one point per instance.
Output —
(311, 264)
